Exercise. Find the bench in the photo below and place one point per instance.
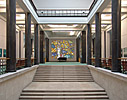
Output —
(62, 59)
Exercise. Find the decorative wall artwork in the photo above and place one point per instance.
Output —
(62, 48)
(4, 52)
(0, 52)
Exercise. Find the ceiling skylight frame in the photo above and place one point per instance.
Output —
(85, 13)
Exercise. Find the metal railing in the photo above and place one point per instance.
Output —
(93, 61)
(123, 65)
(107, 63)
(3, 65)
(63, 13)
(20, 63)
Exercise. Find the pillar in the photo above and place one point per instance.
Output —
(36, 44)
(77, 48)
(83, 60)
(42, 60)
(89, 44)
(11, 35)
(28, 40)
(104, 44)
(19, 44)
(98, 40)
(116, 35)
(47, 50)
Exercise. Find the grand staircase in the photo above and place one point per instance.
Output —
(63, 83)
(63, 74)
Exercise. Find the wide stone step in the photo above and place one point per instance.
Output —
(81, 70)
(69, 80)
(65, 79)
(62, 76)
(62, 80)
(64, 73)
(90, 90)
(40, 69)
(67, 70)
(60, 73)
(63, 97)
(62, 93)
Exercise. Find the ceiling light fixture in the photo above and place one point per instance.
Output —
(124, 3)
(106, 16)
(62, 26)
(61, 31)
(3, 3)
(72, 33)
(20, 16)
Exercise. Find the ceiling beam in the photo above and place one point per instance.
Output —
(111, 13)
(63, 29)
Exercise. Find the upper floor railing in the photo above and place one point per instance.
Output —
(107, 63)
(63, 12)
(20, 63)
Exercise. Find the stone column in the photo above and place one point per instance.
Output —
(47, 50)
(77, 48)
(42, 60)
(11, 35)
(89, 44)
(36, 44)
(98, 40)
(116, 35)
(83, 60)
(28, 40)
(105, 44)
(19, 44)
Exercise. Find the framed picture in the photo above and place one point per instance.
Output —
(0, 52)
(4, 52)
